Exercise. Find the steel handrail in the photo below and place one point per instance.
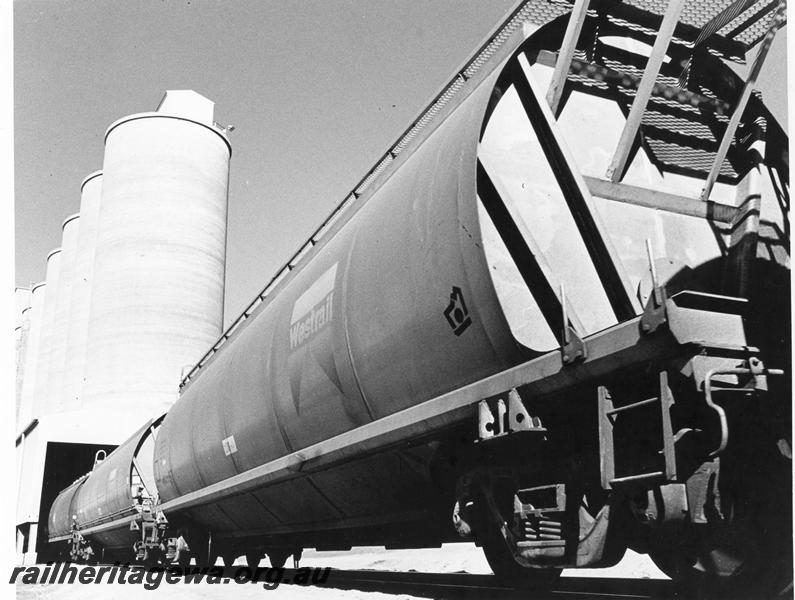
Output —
(724, 426)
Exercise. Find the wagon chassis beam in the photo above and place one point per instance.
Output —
(623, 346)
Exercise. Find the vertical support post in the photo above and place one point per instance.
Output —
(616, 169)
(653, 272)
(744, 236)
(573, 29)
(565, 318)
(20, 548)
(607, 465)
(748, 88)
(669, 452)
(33, 534)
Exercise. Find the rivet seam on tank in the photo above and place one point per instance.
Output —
(229, 445)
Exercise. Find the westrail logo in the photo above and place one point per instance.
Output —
(307, 326)
(456, 312)
(313, 309)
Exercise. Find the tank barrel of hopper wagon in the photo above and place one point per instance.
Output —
(522, 328)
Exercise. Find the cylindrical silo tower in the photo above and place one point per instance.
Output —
(157, 296)
(90, 192)
(44, 354)
(21, 330)
(21, 337)
(32, 353)
(56, 378)
(21, 302)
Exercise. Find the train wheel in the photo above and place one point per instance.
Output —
(201, 550)
(229, 559)
(726, 571)
(745, 550)
(205, 560)
(278, 557)
(496, 549)
(253, 559)
(506, 569)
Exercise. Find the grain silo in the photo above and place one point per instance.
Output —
(21, 333)
(145, 298)
(21, 337)
(21, 330)
(159, 266)
(56, 377)
(90, 191)
(21, 302)
(44, 354)
(30, 360)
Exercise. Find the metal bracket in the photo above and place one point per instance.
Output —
(759, 374)
(511, 417)
(486, 424)
(573, 347)
(99, 457)
(654, 313)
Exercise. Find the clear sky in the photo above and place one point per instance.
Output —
(317, 90)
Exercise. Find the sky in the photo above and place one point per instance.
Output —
(317, 90)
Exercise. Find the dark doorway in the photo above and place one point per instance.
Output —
(62, 465)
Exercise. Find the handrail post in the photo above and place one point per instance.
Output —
(618, 165)
(567, 48)
(739, 109)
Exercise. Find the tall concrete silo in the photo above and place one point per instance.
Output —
(74, 366)
(32, 353)
(21, 329)
(21, 338)
(157, 295)
(21, 302)
(56, 377)
(44, 355)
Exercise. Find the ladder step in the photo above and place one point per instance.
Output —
(637, 478)
(631, 406)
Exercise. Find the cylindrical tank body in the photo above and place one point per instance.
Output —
(43, 369)
(108, 495)
(32, 353)
(394, 308)
(59, 526)
(90, 193)
(66, 280)
(160, 258)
